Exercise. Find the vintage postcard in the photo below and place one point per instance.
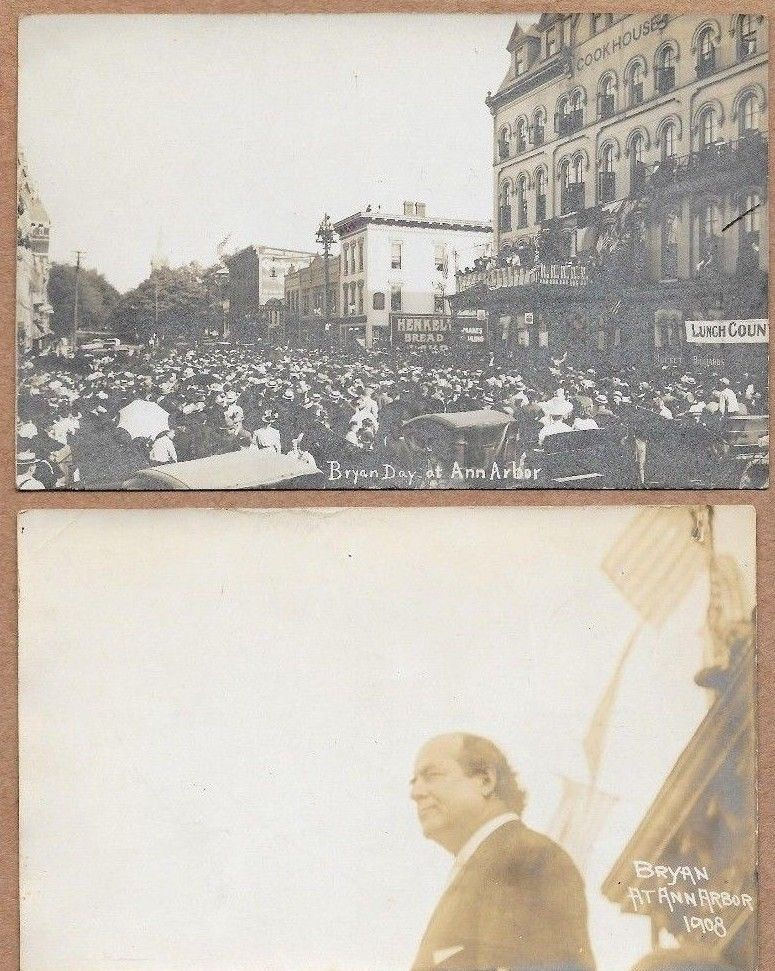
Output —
(390, 252)
(388, 739)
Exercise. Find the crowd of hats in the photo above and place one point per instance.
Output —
(218, 396)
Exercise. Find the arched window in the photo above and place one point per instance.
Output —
(504, 211)
(665, 77)
(576, 172)
(668, 141)
(636, 85)
(521, 135)
(708, 128)
(572, 183)
(522, 201)
(708, 233)
(503, 142)
(606, 105)
(570, 113)
(669, 257)
(750, 115)
(637, 165)
(541, 183)
(748, 27)
(749, 236)
(561, 124)
(606, 183)
(752, 210)
(706, 53)
(539, 126)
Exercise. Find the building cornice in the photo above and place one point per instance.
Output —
(351, 224)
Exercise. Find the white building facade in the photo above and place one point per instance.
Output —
(401, 264)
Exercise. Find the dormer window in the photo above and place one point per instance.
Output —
(552, 42)
(520, 62)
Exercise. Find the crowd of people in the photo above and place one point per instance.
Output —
(325, 405)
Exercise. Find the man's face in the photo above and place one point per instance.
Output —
(450, 804)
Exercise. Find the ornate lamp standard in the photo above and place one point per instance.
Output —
(222, 275)
(325, 236)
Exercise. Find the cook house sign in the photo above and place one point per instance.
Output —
(617, 44)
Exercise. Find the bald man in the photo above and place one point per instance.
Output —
(514, 899)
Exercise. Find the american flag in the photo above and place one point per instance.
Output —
(657, 558)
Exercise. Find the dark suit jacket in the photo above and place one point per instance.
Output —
(517, 903)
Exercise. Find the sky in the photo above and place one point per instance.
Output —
(219, 713)
(197, 127)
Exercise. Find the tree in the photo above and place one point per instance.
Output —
(96, 299)
(170, 303)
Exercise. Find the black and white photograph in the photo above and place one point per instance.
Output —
(388, 739)
(393, 251)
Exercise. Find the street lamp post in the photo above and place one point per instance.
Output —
(222, 273)
(325, 236)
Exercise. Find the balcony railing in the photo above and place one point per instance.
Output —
(719, 159)
(572, 198)
(571, 122)
(706, 64)
(665, 80)
(638, 178)
(606, 106)
(606, 187)
(546, 274)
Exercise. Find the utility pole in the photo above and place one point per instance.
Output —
(78, 254)
(325, 235)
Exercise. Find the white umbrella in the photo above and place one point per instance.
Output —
(143, 419)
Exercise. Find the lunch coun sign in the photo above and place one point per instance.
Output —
(727, 332)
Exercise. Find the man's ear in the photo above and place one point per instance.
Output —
(488, 782)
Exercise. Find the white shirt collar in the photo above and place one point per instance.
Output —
(476, 839)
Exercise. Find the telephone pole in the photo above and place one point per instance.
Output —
(325, 235)
(78, 254)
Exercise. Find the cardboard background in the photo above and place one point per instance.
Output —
(11, 501)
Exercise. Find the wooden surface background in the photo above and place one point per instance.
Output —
(12, 502)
